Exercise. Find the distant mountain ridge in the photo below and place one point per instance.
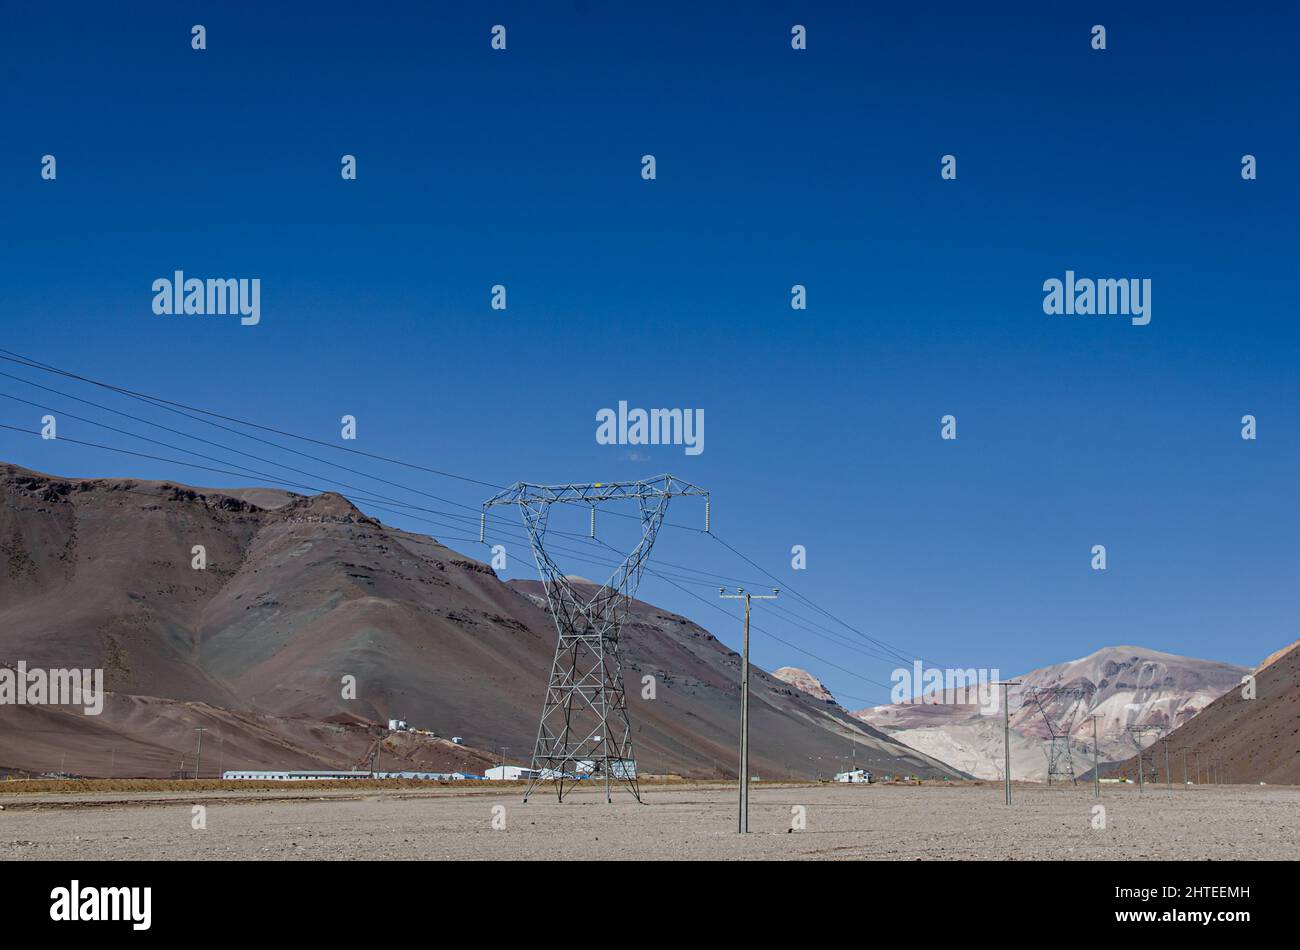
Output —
(1122, 685)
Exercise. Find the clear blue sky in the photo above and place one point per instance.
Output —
(775, 167)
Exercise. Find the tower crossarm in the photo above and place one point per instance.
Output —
(591, 493)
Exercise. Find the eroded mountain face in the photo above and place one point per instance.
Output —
(1123, 686)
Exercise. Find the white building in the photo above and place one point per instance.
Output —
(510, 773)
(853, 775)
(397, 725)
(292, 775)
(320, 775)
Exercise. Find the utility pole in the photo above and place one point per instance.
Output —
(198, 761)
(1198, 766)
(1136, 733)
(504, 749)
(742, 594)
(1184, 770)
(1006, 736)
(1096, 768)
(1169, 776)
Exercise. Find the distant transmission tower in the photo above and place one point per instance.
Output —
(1060, 722)
(1136, 733)
(584, 727)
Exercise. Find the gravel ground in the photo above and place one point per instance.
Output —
(889, 822)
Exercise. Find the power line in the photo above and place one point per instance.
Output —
(145, 455)
(873, 643)
(26, 361)
(243, 472)
(370, 498)
(177, 407)
(881, 643)
(230, 448)
(819, 659)
(221, 471)
(163, 404)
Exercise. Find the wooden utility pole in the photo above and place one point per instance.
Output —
(1096, 768)
(198, 760)
(1006, 736)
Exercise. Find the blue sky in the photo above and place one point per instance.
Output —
(775, 167)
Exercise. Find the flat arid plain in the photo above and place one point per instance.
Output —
(678, 822)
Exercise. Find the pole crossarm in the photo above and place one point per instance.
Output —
(661, 486)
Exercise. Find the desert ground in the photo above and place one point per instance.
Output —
(899, 822)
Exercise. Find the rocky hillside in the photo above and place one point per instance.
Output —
(805, 682)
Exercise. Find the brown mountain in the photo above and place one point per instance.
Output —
(301, 593)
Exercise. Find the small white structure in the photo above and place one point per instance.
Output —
(510, 773)
(397, 725)
(458, 740)
(618, 768)
(854, 775)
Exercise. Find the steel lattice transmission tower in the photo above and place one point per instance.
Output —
(1137, 734)
(584, 726)
(1060, 723)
